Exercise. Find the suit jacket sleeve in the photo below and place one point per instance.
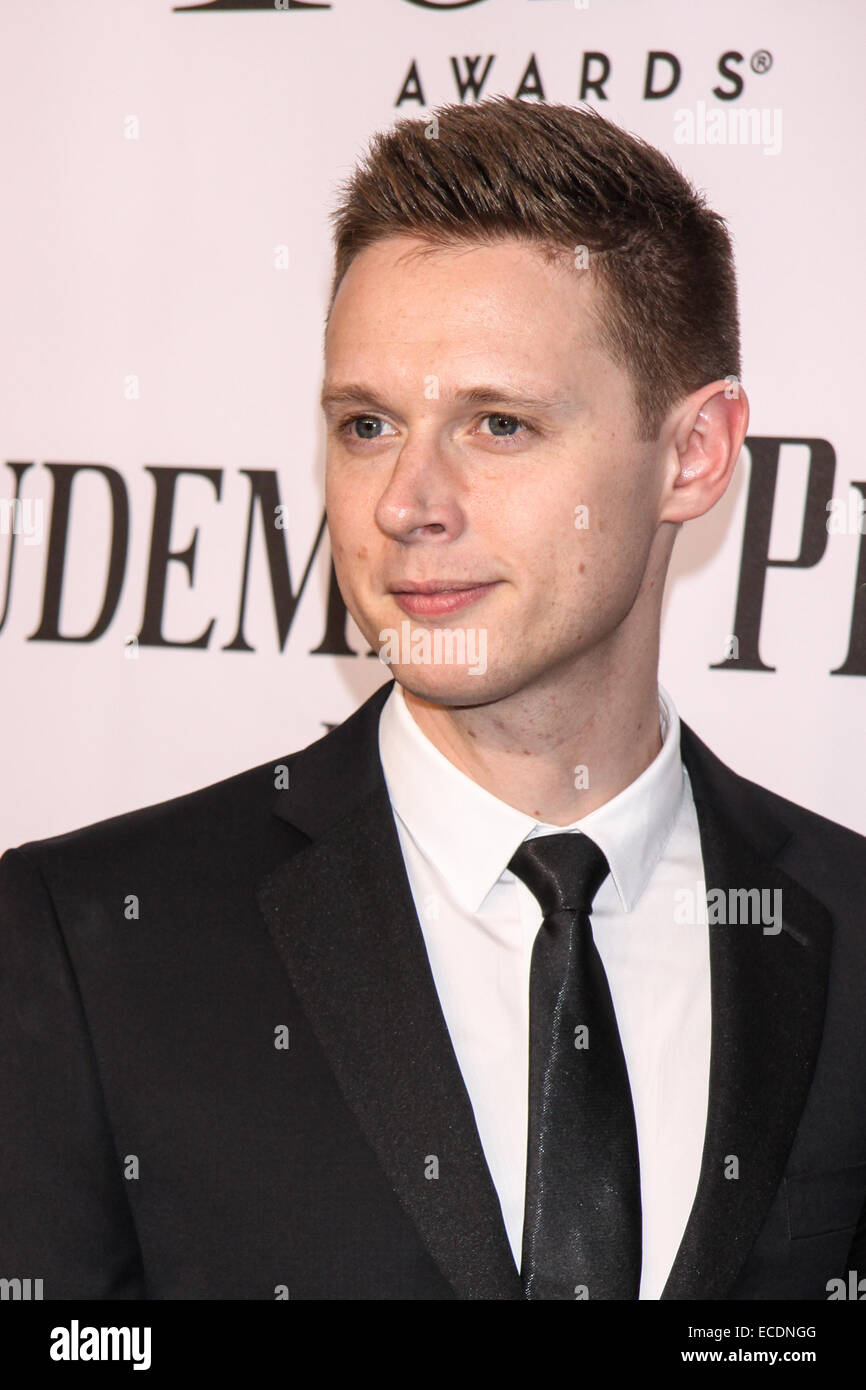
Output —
(65, 1216)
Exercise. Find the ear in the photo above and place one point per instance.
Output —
(706, 433)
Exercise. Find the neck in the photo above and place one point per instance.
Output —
(556, 750)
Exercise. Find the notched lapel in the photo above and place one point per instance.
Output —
(342, 917)
(768, 1002)
(341, 914)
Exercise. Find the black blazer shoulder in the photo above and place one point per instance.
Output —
(282, 804)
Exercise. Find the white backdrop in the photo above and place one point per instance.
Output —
(165, 265)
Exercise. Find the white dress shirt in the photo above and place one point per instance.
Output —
(479, 922)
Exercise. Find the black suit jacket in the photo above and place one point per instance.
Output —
(156, 1143)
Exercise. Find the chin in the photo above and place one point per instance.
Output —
(455, 687)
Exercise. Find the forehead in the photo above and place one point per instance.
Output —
(402, 299)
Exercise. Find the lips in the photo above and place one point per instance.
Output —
(438, 596)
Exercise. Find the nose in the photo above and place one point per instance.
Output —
(420, 499)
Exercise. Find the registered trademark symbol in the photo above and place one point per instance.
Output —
(761, 60)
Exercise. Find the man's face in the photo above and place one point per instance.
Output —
(532, 497)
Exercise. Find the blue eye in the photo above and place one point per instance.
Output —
(508, 419)
(368, 428)
(363, 420)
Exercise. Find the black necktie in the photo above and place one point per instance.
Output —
(582, 1226)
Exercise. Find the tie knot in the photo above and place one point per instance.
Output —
(564, 872)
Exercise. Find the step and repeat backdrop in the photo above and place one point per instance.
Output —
(168, 171)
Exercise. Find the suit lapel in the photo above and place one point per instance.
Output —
(768, 1000)
(342, 917)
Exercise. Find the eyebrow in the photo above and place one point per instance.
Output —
(356, 394)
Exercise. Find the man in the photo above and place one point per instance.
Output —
(444, 1016)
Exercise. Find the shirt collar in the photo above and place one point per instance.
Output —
(468, 835)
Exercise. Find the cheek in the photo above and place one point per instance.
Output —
(346, 514)
(352, 500)
(344, 545)
(577, 557)
(354, 550)
(565, 543)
